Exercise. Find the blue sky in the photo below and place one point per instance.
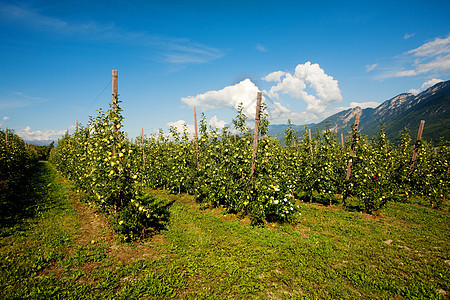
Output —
(309, 58)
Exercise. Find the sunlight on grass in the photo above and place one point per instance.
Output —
(329, 253)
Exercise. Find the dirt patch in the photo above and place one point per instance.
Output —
(95, 235)
(94, 227)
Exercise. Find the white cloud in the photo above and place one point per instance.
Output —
(38, 135)
(243, 92)
(425, 85)
(179, 125)
(308, 83)
(431, 57)
(371, 67)
(325, 87)
(4, 119)
(261, 48)
(280, 114)
(433, 48)
(274, 76)
(216, 123)
(407, 73)
(161, 48)
(371, 104)
(407, 36)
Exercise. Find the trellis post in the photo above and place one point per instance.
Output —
(196, 138)
(114, 104)
(352, 150)
(416, 146)
(256, 135)
(143, 152)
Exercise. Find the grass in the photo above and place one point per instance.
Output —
(64, 249)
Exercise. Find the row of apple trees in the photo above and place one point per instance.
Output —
(219, 172)
(308, 169)
(99, 160)
(15, 156)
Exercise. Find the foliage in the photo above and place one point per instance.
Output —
(15, 155)
(43, 152)
(308, 169)
(99, 160)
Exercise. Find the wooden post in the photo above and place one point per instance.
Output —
(352, 149)
(256, 135)
(114, 86)
(416, 146)
(350, 161)
(196, 138)
(342, 140)
(114, 103)
(143, 152)
(312, 157)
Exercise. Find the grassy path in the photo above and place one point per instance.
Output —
(52, 246)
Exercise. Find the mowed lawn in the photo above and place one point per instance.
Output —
(52, 246)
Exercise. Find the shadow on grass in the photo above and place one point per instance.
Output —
(25, 197)
(325, 200)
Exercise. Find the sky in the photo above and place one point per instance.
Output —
(310, 59)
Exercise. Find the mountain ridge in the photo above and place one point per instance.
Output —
(394, 115)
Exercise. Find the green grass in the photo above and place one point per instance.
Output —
(330, 253)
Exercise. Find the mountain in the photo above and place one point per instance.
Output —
(39, 142)
(279, 129)
(402, 111)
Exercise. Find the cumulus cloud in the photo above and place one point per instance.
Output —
(229, 97)
(308, 83)
(425, 85)
(179, 125)
(38, 135)
(216, 123)
(326, 90)
(431, 57)
(280, 113)
(274, 76)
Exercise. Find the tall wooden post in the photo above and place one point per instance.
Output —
(114, 103)
(352, 150)
(196, 138)
(256, 135)
(342, 140)
(143, 152)
(416, 146)
(114, 87)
